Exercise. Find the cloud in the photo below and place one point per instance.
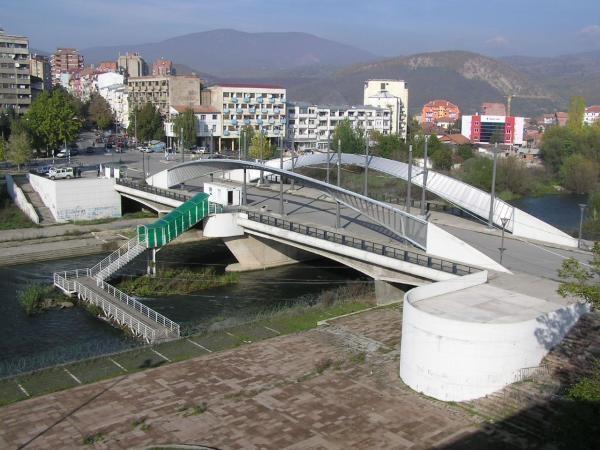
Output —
(497, 41)
(590, 32)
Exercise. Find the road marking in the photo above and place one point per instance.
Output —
(77, 380)
(198, 345)
(23, 390)
(134, 169)
(118, 365)
(271, 329)
(161, 355)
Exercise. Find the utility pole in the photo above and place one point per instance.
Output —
(366, 190)
(582, 207)
(493, 193)
(424, 190)
(280, 179)
(408, 187)
(181, 145)
(328, 155)
(339, 172)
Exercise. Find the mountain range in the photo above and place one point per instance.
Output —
(323, 71)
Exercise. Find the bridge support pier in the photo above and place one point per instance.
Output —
(255, 253)
(151, 258)
(386, 293)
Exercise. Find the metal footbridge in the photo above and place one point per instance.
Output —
(91, 285)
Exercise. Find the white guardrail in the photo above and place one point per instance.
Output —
(131, 245)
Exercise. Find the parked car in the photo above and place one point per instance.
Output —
(90, 149)
(43, 170)
(57, 173)
(199, 150)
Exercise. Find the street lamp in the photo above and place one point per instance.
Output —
(424, 187)
(493, 193)
(582, 207)
(504, 221)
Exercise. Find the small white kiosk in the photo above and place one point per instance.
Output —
(223, 194)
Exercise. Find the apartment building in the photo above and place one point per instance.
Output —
(164, 91)
(260, 106)
(439, 112)
(209, 125)
(111, 86)
(392, 95)
(39, 68)
(310, 127)
(65, 60)
(591, 115)
(132, 65)
(162, 67)
(15, 82)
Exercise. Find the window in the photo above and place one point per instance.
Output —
(382, 86)
(203, 117)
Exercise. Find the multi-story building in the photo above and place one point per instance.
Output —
(164, 91)
(39, 67)
(107, 66)
(111, 86)
(312, 126)
(488, 128)
(65, 60)
(209, 125)
(493, 109)
(15, 83)
(260, 106)
(132, 65)
(591, 115)
(439, 113)
(392, 95)
(162, 67)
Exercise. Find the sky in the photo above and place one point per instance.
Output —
(384, 27)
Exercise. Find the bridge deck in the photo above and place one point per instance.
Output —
(161, 331)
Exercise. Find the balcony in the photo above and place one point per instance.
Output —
(276, 132)
(234, 99)
(225, 110)
(252, 110)
(271, 100)
(246, 99)
(259, 121)
(239, 110)
(226, 133)
(246, 121)
(276, 110)
(260, 100)
(282, 120)
(234, 122)
(264, 111)
(271, 120)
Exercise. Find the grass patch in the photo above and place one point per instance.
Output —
(139, 360)
(194, 410)
(11, 217)
(179, 350)
(176, 281)
(93, 439)
(37, 297)
(95, 370)
(10, 392)
(46, 381)
(217, 341)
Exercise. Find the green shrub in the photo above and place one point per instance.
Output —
(32, 298)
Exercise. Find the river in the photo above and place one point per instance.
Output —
(27, 343)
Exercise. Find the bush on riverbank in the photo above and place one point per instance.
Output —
(176, 281)
(11, 217)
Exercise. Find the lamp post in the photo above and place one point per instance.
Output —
(424, 189)
(493, 193)
(504, 221)
(328, 156)
(366, 188)
(280, 179)
(339, 183)
(582, 207)
(408, 187)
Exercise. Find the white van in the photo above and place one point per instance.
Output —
(60, 173)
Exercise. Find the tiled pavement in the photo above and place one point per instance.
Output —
(265, 395)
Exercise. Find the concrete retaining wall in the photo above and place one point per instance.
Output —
(20, 199)
(454, 360)
(78, 199)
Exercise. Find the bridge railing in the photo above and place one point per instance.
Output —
(118, 314)
(131, 244)
(139, 307)
(363, 244)
(154, 190)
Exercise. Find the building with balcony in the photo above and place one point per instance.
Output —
(15, 81)
(132, 65)
(208, 122)
(311, 127)
(65, 60)
(591, 115)
(164, 91)
(440, 113)
(392, 95)
(260, 106)
(112, 87)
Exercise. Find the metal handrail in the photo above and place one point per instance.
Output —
(154, 190)
(362, 244)
(138, 306)
(120, 315)
(133, 243)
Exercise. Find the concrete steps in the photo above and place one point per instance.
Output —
(43, 212)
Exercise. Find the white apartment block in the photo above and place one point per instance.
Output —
(208, 122)
(391, 94)
(312, 126)
(591, 115)
(112, 87)
(262, 107)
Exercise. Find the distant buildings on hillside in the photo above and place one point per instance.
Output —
(440, 113)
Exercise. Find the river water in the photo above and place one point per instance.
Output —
(27, 343)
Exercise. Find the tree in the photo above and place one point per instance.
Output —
(579, 174)
(52, 119)
(389, 146)
(99, 112)
(3, 145)
(187, 122)
(149, 123)
(260, 147)
(19, 149)
(580, 281)
(576, 113)
(442, 158)
(478, 172)
(464, 151)
(351, 140)
(246, 135)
